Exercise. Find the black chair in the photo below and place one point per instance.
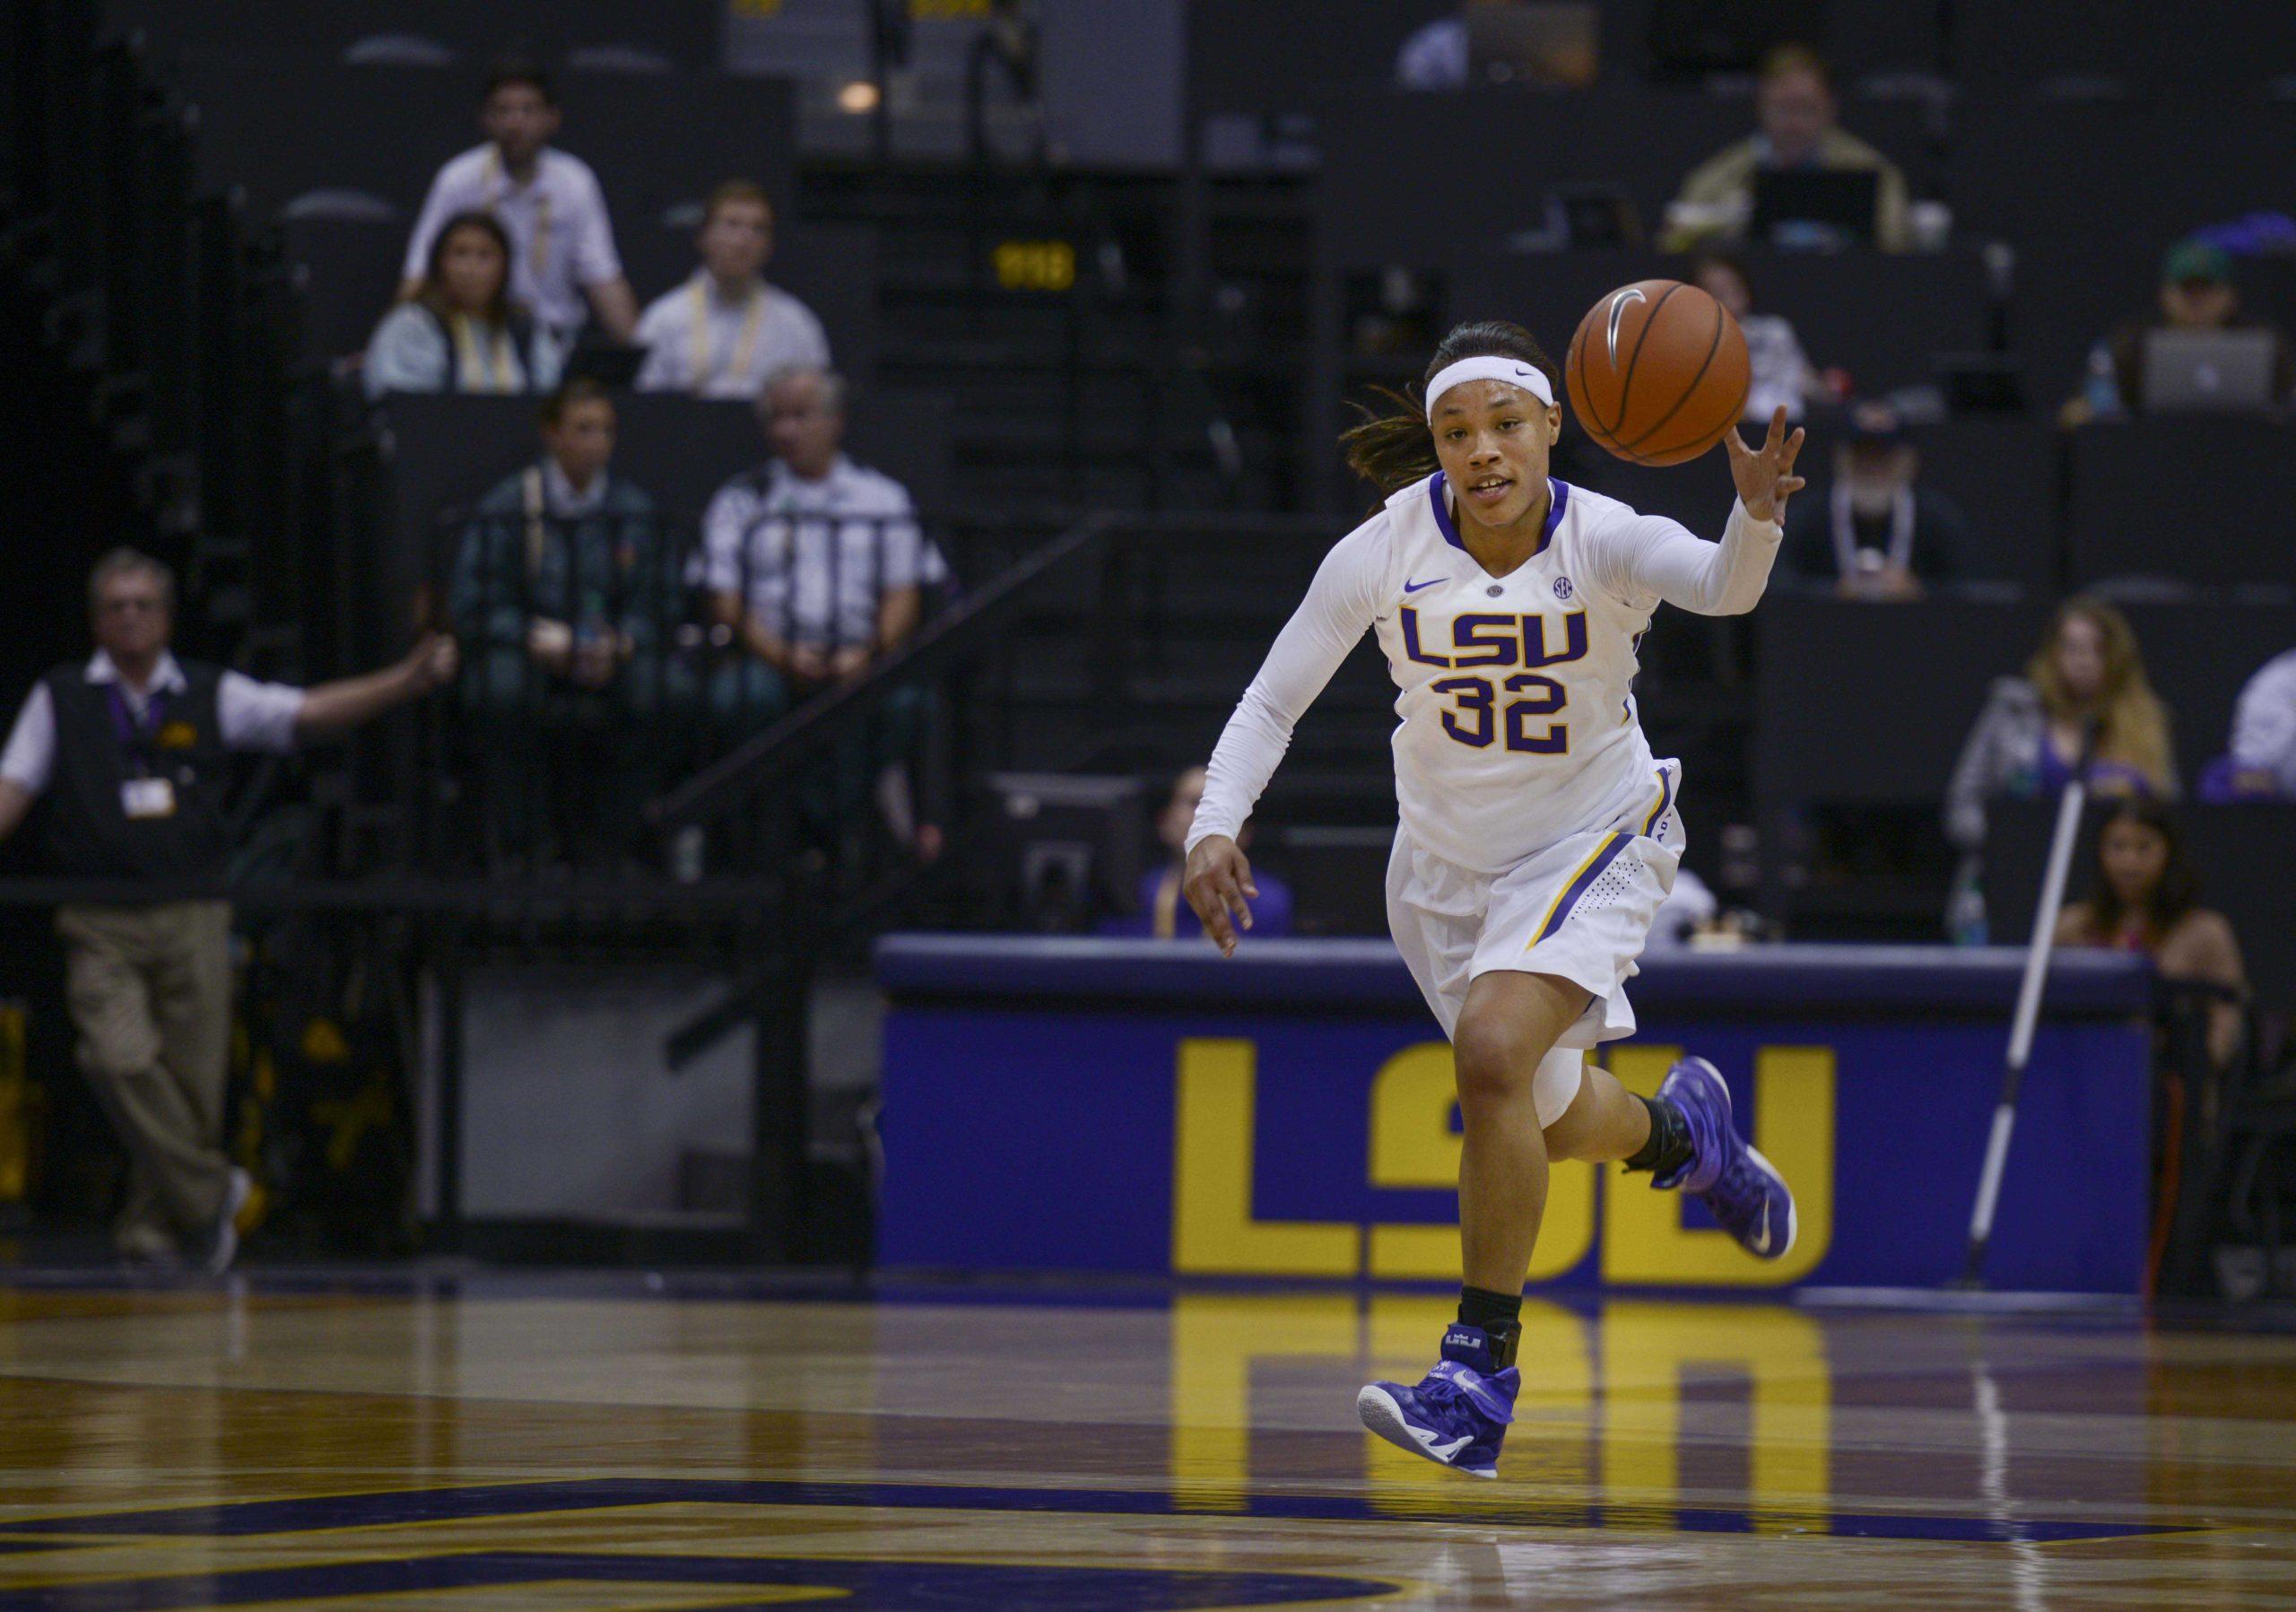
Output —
(685, 33)
(2155, 164)
(2205, 45)
(2203, 500)
(281, 126)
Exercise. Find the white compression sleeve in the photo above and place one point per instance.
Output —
(1652, 555)
(1335, 614)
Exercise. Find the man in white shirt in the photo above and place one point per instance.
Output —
(563, 265)
(818, 567)
(132, 750)
(724, 330)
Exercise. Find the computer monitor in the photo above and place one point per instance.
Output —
(1815, 206)
(1068, 848)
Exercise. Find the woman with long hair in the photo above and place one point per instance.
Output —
(2144, 896)
(460, 331)
(2086, 678)
(1538, 834)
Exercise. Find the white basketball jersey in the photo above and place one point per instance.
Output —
(1518, 724)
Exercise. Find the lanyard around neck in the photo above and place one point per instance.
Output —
(744, 344)
(135, 734)
(481, 367)
(498, 181)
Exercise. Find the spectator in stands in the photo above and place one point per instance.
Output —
(2143, 896)
(2032, 736)
(1877, 532)
(1796, 110)
(460, 331)
(726, 329)
(562, 590)
(818, 568)
(563, 265)
(2196, 293)
(1163, 912)
(2264, 734)
(132, 750)
(1782, 375)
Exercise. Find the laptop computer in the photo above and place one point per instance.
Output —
(1815, 206)
(2207, 371)
(1548, 44)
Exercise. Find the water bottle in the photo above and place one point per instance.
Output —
(1965, 922)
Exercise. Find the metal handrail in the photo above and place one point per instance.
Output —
(765, 767)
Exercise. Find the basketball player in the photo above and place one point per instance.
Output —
(1538, 834)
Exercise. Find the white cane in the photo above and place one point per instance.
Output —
(2028, 1012)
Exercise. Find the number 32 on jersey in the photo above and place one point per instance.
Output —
(1491, 644)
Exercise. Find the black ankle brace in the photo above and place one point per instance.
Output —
(1669, 1145)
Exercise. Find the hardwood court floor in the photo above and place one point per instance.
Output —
(602, 1443)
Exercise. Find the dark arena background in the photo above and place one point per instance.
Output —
(681, 1072)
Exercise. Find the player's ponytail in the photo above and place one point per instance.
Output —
(1393, 449)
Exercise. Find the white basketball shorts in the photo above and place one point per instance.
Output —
(1579, 909)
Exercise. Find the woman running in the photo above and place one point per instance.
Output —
(1538, 834)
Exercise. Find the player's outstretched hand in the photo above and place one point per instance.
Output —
(1765, 475)
(1215, 884)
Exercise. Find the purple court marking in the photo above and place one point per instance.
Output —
(512, 1500)
(867, 1586)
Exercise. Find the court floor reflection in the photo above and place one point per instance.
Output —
(559, 1442)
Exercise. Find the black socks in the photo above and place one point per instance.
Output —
(1499, 1315)
(1669, 1146)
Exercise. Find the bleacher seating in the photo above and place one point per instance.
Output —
(2140, 168)
(2194, 500)
(1395, 188)
(2201, 46)
(686, 33)
(655, 140)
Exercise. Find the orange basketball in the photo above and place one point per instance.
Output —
(1657, 372)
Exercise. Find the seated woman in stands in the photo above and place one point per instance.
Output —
(2146, 897)
(461, 332)
(2030, 738)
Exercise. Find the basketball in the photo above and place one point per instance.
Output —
(1657, 371)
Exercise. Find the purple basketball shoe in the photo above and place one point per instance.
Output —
(1743, 1190)
(1457, 1416)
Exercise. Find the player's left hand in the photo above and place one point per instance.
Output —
(1216, 881)
(1765, 475)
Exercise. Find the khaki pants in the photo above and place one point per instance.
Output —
(150, 989)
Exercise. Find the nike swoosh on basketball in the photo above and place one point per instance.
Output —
(1415, 587)
(1632, 293)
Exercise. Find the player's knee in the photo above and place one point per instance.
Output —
(1494, 1059)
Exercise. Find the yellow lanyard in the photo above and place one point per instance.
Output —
(481, 369)
(744, 345)
(497, 184)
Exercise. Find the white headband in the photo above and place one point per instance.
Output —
(1513, 371)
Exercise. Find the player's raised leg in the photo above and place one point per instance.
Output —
(1684, 1138)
